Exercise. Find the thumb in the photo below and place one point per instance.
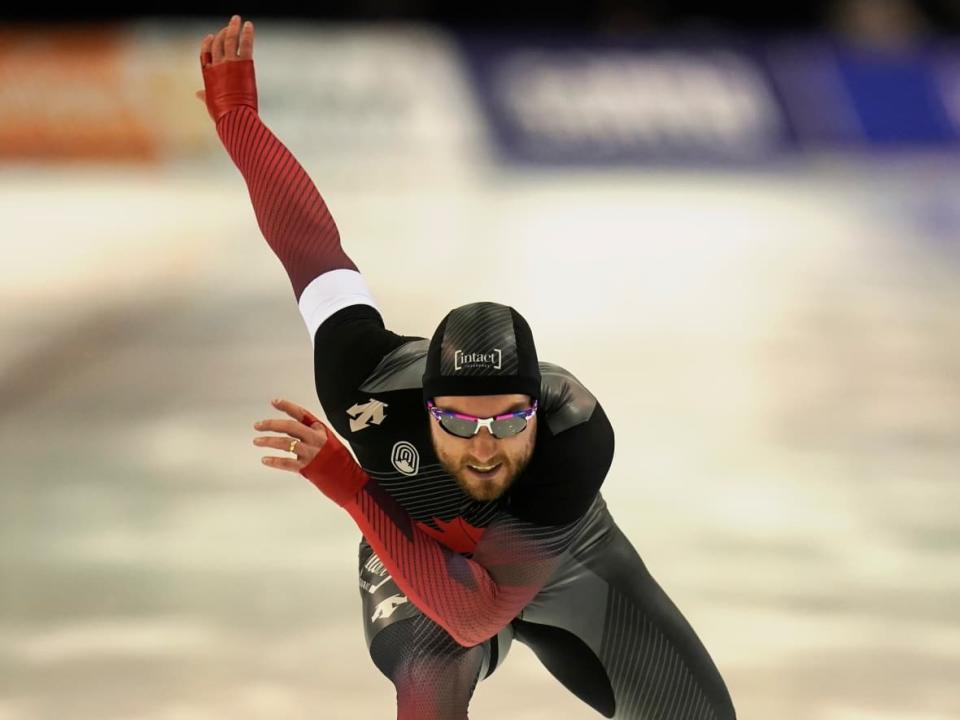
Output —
(201, 95)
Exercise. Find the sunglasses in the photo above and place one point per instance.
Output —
(466, 426)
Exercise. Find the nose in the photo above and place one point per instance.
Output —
(483, 446)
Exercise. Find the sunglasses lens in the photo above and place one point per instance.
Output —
(508, 427)
(458, 426)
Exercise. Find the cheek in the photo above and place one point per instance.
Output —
(519, 450)
(447, 448)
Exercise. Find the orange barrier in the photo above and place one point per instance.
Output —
(64, 94)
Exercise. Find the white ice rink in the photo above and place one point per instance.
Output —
(779, 353)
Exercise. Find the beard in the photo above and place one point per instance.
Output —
(480, 488)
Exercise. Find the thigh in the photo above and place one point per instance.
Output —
(382, 602)
(628, 632)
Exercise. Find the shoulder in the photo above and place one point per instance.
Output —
(400, 369)
(355, 355)
(573, 453)
(565, 401)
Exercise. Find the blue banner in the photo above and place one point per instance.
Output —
(564, 101)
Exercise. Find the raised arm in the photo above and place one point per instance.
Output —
(292, 215)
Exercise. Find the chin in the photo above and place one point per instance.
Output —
(483, 491)
(483, 494)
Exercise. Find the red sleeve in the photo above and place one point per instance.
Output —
(292, 216)
(472, 599)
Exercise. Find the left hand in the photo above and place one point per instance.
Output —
(305, 432)
(228, 82)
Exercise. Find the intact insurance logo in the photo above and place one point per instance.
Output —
(473, 360)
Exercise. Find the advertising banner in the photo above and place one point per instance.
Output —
(577, 101)
(558, 102)
(125, 93)
(63, 95)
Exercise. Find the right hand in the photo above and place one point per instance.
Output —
(305, 429)
(334, 472)
(228, 86)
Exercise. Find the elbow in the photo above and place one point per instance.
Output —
(487, 617)
(474, 630)
(469, 638)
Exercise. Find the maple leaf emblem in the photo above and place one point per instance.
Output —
(457, 534)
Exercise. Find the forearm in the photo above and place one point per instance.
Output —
(457, 593)
(470, 599)
(291, 213)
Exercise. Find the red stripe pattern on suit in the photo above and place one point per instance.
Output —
(471, 598)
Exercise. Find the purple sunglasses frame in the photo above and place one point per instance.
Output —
(487, 422)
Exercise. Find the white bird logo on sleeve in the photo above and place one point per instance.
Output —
(387, 607)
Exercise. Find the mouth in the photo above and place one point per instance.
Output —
(484, 472)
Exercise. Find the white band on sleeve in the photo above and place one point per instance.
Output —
(330, 292)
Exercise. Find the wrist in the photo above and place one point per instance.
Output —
(334, 472)
(230, 85)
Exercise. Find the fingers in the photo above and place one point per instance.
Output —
(311, 439)
(290, 427)
(311, 436)
(305, 452)
(206, 47)
(232, 42)
(281, 443)
(246, 41)
(218, 46)
(283, 464)
(231, 37)
(295, 411)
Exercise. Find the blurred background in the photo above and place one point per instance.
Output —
(738, 227)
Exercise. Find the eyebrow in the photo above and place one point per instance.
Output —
(513, 407)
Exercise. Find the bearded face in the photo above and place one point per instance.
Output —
(484, 466)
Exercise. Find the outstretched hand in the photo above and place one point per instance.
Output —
(304, 436)
(233, 42)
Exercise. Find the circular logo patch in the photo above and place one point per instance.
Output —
(405, 458)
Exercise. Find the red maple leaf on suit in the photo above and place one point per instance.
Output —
(457, 534)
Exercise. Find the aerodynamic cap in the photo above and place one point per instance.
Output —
(482, 348)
